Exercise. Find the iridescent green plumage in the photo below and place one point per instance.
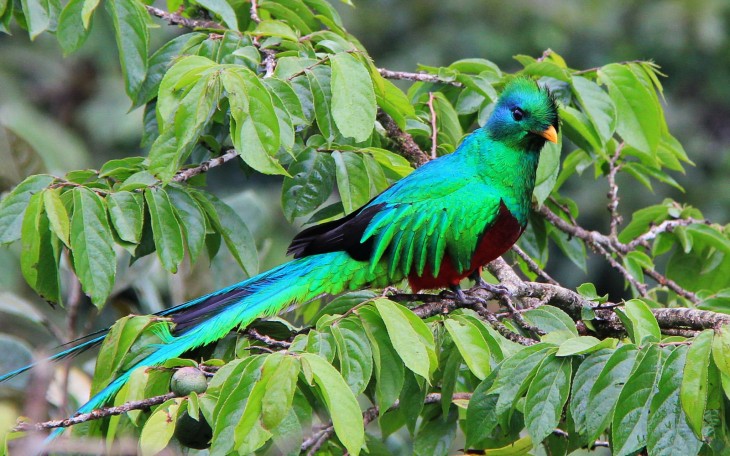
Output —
(434, 227)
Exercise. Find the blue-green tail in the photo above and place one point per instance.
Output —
(206, 319)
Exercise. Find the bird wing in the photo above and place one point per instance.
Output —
(438, 208)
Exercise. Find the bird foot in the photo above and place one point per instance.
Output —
(457, 294)
(499, 289)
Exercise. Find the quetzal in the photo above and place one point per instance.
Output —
(435, 227)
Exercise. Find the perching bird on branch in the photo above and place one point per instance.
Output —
(435, 227)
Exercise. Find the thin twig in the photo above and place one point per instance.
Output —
(270, 341)
(434, 129)
(533, 266)
(420, 77)
(95, 414)
(176, 19)
(254, 11)
(315, 441)
(205, 166)
(613, 199)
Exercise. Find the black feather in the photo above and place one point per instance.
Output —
(338, 235)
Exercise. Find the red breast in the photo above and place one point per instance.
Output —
(495, 241)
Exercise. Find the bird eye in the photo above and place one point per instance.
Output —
(518, 114)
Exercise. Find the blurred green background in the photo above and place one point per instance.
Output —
(61, 113)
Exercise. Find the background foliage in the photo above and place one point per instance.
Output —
(300, 102)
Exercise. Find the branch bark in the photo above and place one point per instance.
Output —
(95, 414)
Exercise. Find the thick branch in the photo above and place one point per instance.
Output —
(404, 141)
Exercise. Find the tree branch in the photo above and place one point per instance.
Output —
(176, 19)
(404, 141)
(95, 414)
(420, 77)
(188, 173)
(532, 265)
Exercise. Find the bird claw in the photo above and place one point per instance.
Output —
(457, 294)
(499, 289)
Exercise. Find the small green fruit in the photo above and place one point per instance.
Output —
(188, 380)
(193, 433)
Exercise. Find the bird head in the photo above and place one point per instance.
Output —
(525, 116)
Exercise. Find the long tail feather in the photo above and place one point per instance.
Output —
(206, 319)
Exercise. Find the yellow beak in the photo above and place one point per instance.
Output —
(550, 134)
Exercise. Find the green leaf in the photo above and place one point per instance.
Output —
(39, 256)
(319, 81)
(435, 436)
(12, 207)
(721, 349)
(668, 433)
(411, 337)
(352, 180)
(57, 214)
(389, 370)
(130, 26)
(585, 376)
(181, 76)
(235, 233)
(117, 343)
(639, 120)
(481, 418)
(277, 401)
(88, 10)
(643, 327)
(310, 184)
(606, 389)
(353, 97)
(514, 377)
(285, 92)
(355, 355)
(547, 396)
(223, 9)
(471, 345)
(255, 132)
(192, 219)
(341, 403)
(159, 428)
(71, 30)
(248, 434)
(547, 172)
(161, 61)
(231, 386)
(165, 229)
(693, 392)
(631, 417)
(641, 220)
(126, 212)
(36, 16)
(583, 345)
(275, 28)
(597, 105)
(92, 247)
(579, 130)
(393, 101)
(447, 121)
(550, 318)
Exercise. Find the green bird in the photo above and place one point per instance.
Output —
(435, 227)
